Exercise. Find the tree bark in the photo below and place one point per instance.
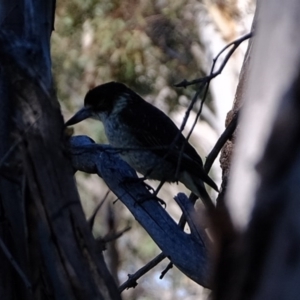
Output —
(46, 246)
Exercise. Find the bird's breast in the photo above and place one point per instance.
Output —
(141, 158)
(117, 133)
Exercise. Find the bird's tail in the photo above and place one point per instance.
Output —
(209, 181)
(197, 186)
(204, 196)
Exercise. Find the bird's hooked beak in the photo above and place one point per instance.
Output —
(81, 115)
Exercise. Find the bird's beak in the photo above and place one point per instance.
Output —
(81, 115)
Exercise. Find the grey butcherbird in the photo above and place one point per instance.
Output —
(156, 147)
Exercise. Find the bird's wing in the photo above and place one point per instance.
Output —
(156, 131)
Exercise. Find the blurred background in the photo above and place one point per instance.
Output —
(150, 46)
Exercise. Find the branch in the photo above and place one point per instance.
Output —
(226, 135)
(204, 83)
(131, 282)
(184, 250)
(212, 75)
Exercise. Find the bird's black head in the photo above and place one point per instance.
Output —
(102, 98)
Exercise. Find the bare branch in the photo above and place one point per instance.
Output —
(212, 75)
(175, 243)
(131, 282)
(221, 142)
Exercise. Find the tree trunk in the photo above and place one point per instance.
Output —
(46, 248)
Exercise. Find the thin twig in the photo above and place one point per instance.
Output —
(131, 281)
(91, 220)
(111, 237)
(187, 113)
(206, 79)
(225, 136)
(166, 270)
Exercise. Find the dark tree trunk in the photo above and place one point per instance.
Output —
(46, 248)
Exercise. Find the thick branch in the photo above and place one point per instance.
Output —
(186, 251)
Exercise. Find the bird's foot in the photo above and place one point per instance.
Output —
(133, 180)
(154, 192)
(154, 198)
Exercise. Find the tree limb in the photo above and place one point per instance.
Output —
(186, 251)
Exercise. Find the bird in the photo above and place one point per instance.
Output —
(149, 140)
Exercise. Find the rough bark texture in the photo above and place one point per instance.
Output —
(46, 248)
